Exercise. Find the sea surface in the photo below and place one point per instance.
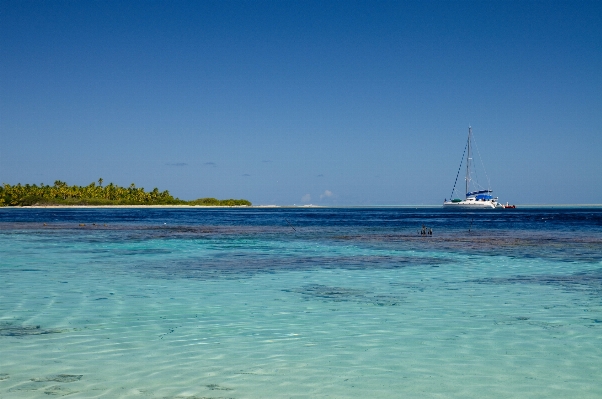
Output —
(300, 303)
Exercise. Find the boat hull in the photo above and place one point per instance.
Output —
(471, 205)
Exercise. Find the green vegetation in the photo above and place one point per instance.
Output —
(216, 202)
(62, 194)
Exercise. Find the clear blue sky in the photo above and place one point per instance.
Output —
(283, 102)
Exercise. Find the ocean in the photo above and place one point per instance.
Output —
(300, 303)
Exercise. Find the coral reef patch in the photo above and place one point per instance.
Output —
(591, 280)
(342, 294)
(57, 390)
(215, 387)
(8, 329)
(60, 378)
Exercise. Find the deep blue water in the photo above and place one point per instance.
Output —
(587, 220)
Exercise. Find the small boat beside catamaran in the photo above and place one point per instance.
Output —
(477, 197)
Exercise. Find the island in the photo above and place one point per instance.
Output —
(62, 194)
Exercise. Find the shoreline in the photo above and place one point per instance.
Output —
(121, 206)
(530, 206)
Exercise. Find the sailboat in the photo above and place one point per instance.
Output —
(476, 197)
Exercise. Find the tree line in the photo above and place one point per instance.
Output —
(96, 194)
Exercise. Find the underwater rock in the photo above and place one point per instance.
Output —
(60, 378)
(143, 251)
(324, 291)
(385, 300)
(341, 294)
(8, 329)
(57, 390)
(4, 376)
(215, 387)
(524, 321)
(591, 280)
(28, 386)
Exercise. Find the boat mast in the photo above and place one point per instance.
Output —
(468, 161)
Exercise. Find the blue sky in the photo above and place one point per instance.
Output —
(282, 102)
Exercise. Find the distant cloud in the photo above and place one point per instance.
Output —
(246, 174)
(306, 198)
(210, 164)
(177, 164)
(326, 194)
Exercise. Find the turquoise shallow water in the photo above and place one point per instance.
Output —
(349, 303)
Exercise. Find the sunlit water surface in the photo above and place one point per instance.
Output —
(300, 303)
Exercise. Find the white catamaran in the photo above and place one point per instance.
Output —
(477, 197)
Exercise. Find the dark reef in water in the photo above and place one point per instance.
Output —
(568, 246)
(57, 390)
(60, 378)
(215, 387)
(240, 264)
(341, 294)
(8, 329)
(591, 280)
(38, 384)
(558, 246)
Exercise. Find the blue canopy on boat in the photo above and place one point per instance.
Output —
(478, 192)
